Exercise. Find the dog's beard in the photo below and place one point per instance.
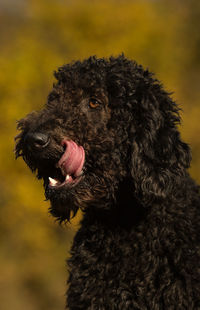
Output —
(62, 204)
(91, 191)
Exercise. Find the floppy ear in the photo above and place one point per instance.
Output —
(159, 157)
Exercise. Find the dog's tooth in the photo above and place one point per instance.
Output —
(52, 181)
(67, 177)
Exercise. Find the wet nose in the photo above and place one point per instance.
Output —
(37, 139)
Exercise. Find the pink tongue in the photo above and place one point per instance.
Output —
(73, 159)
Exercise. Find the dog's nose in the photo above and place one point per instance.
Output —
(37, 139)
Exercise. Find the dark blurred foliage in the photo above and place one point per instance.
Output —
(37, 36)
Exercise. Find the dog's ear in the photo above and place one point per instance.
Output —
(159, 157)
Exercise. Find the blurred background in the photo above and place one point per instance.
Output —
(37, 36)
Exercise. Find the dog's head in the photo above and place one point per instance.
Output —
(105, 122)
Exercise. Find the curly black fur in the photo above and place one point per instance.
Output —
(139, 243)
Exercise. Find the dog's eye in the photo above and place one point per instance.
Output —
(94, 103)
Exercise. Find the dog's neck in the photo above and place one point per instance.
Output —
(126, 212)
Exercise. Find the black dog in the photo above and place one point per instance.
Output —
(107, 142)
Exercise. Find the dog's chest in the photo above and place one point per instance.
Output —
(107, 264)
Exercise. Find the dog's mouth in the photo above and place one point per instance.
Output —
(69, 169)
